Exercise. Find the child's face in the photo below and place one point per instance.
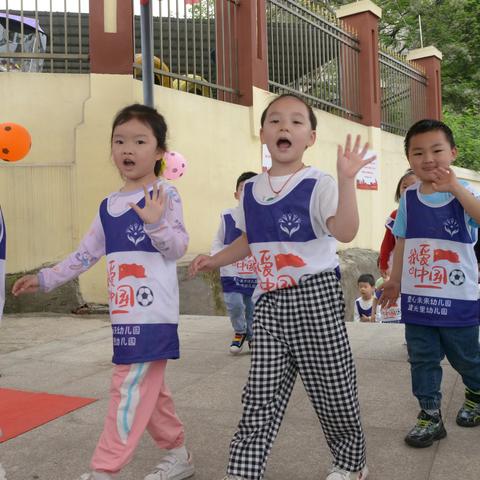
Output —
(366, 290)
(239, 191)
(287, 131)
(429, 151)
(406, 182)
(135, 151)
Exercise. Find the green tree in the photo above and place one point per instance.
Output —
(203, 9)
(465, 127)
(453, 26)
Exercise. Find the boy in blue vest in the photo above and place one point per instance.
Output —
(291, 218)
(435, 269)
(363, 307)
(238, 279)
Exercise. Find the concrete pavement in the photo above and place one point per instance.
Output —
(71, 355)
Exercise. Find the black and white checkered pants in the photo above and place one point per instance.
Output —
(299, 330)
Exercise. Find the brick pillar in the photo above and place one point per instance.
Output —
(364, 17)
(250, 33)
(111, 36)
(430, 59)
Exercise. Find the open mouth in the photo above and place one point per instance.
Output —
(128, 163)
(283, 143)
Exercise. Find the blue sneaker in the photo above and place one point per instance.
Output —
(237, 343)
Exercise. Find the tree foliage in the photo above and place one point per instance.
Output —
(453, 26)
(465, 127)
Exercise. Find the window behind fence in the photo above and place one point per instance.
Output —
(312, 55)
(194, 47)
(54, 39)
(403, 92)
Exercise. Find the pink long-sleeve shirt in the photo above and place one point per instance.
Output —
(168, 236)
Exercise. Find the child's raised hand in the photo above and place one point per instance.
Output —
(390, 293)
(26, 284)
(201, 263)
(154, 205)
(351, 160)
(445, 180)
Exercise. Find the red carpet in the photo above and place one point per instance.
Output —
(23, 411)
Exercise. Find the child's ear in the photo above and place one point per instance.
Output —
(454, 154)
(312, 139)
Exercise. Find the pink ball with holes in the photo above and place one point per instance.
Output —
(175, 165)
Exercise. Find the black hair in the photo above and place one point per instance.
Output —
(311, 113)
(149, 116)
(399, 184)
(366, 278)
(244, 176)
(428, 125)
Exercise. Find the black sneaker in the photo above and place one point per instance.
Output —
(428, 429)
(469, 414)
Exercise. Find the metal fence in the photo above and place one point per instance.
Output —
(49, 41)
(194, 47)
(403, 93)
(311, 54)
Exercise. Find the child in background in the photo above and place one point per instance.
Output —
(140, 230)
(3, 248)
(435, 268)
(362, 310)
(239, 279)
(388, 243)
(291, 218)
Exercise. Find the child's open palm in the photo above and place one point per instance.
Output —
(154, 205)
(445, 180)
(351, 160)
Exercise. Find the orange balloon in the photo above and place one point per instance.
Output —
(15, 142)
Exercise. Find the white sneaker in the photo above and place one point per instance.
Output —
(96, 476)
(172, 468)
(339, 474)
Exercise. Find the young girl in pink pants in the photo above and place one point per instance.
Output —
(140, 230)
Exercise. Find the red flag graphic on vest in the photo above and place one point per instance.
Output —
(131, 270)
(449, 255)
(283, 260)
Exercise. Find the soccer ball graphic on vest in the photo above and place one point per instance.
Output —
(144, 296)
(457, 277)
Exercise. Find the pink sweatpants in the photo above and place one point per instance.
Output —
(139, 400)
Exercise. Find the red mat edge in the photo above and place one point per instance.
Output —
(72, 403)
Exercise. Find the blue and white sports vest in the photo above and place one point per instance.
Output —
(240, 276)
(3, 250)
(439, 278)
(283, 239)
(142, 289)
(367, 312)
(390, 222)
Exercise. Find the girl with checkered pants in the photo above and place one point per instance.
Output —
(291, 217)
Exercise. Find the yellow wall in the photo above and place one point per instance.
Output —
(50, 198)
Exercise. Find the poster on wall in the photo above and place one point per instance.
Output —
(367, 177)
(266, 158)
